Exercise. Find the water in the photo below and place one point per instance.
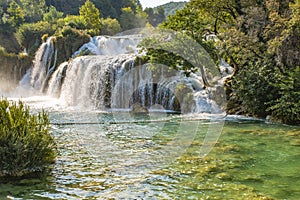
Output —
(108, 152)
(107, 73)
(122, 156)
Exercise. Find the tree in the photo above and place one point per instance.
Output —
(191, 25)
(140, 18)
(131, 19)
(259, 38)
(74, 21)
(29, 35)
(155, 18)
(33, 9)
(127, 19)
(91, 17)
(53, 15)
(16, 14)
(110, 26)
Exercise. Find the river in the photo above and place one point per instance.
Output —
(118, 155)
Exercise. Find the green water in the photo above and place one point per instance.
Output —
(105, 160)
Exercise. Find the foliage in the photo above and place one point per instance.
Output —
(26, 146)
(171, 7)
(38, 11)
(69, 40)
(286, 108)
(110, 26)
(127, 19)
(131, 19)
(191, 43)
(260, 39)
(2, 50)
(16, 14)
(73, 21)
(180, 52)
(251, 84)
(29, 35)
(91, 17)
(33, 9)
(155, 18)
(52, 15)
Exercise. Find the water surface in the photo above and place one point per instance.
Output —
(116, 155)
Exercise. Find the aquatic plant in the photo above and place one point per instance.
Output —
(26, 145)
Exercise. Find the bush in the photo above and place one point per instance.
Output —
(253, 86)
(286, 108)
(26, 146)
(110, 26)
(29, 35)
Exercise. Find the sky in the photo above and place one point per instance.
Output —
(154, 3)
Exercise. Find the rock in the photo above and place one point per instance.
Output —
(139, 109)
(196, 83)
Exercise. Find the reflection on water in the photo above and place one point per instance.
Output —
(116, 155)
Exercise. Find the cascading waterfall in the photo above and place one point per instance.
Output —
(44, 65)
(104, 74)
(87, 82)
(105, 45)
(57, 79)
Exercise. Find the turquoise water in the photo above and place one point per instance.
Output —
(120, 156)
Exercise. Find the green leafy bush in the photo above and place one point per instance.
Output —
(26, 146)
(29, 35)
(286, 108)
(253, 85)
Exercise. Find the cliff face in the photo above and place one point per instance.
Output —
(9, 42)
(68, 44)
(12, 69)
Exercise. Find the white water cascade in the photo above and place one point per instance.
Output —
(105, 45)
(44, 65)
(105, 74)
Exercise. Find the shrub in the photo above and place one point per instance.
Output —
(26, 146)
(2, 50)
(286, 108)
(29, 35)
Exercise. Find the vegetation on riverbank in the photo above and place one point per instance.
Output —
(24, 23)
(26, 146)
(260, 39)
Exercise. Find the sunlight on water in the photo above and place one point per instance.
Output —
(113, 155)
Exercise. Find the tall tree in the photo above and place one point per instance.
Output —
(127, 19)
(53, 15)
(15, 13)
(33, 9)
(155, 18)
(91, 17)
(110, 26)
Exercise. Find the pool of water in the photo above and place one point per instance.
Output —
(118, 155)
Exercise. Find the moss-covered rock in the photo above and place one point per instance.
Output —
(184, 98)
(12, 68)
(68, 42)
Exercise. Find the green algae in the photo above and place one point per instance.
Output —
(256, 161)
(251, 160)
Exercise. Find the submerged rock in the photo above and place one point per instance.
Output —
(139, 109)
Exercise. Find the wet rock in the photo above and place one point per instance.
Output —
(139, 109)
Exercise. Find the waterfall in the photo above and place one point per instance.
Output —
(87, 82)
(44, 65)
(57, 80)
(105, 45)
(104, 74)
